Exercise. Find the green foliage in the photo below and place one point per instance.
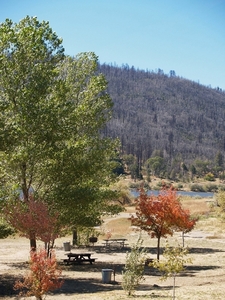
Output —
(184, 167)
(221, 187)
(219, 159)
(29, 54)
(134, 185)
(202, 167)
(52, 112)
(140, 184)
(129, 159)
(156, 164)
(211, 188)
(197, 187)
(193, 170)
(173, 175)
(123, 194)
(119, 168)
(84, 233)
(157, 153)
(134, 268)
(134, 171)
(5, 229)
(179, 186)
(173, 263)
(209, 177)
(83, 164)
(222, 176)
(133, 166)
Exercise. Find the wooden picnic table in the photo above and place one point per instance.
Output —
(110, 242)
(79, 258)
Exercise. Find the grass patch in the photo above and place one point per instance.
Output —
(119, 227)
(197, 207)
(211, 224)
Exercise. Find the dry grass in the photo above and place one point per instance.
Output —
(119, 227)
(197, 206)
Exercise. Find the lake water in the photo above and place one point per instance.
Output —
(182, 193)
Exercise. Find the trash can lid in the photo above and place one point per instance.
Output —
(107, 270)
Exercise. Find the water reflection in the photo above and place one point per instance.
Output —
(135, 193)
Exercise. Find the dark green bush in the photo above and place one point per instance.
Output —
(137, 185)
(5, 230)
(179, 186)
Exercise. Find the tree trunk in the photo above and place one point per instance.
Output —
(183, 238)
(174, 278)
(48, 247)
(74, 237)
(33, 244)
(158, 247)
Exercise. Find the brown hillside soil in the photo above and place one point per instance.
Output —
(203, 279)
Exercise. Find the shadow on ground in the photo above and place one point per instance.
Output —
(189, 271)
(204, 250)
(94, 284)
(6, 285)
(96, 267)
(90, 285)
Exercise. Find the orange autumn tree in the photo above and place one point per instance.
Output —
(33, 220)
(161, 215)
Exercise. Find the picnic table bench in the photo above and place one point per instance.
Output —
(79, 258)
(112, 242)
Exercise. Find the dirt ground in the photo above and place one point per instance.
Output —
(203, 279)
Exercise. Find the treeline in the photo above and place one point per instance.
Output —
(180, 120)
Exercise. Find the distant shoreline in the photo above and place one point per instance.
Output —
(135, 193)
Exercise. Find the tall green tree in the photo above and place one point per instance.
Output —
(202, 167)
(133, 166)
(156, 164)
(219, 159)
(52, 110)
(29, 54)
(193, 171)
(219, 168)
(83, 161)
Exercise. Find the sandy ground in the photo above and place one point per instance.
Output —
(203, 279)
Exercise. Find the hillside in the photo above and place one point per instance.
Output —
(154, 111)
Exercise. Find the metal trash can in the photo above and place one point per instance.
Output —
(106, 275)
(66, 246)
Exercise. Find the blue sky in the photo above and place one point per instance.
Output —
(187, 36)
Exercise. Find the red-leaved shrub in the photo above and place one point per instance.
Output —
(43, 276)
